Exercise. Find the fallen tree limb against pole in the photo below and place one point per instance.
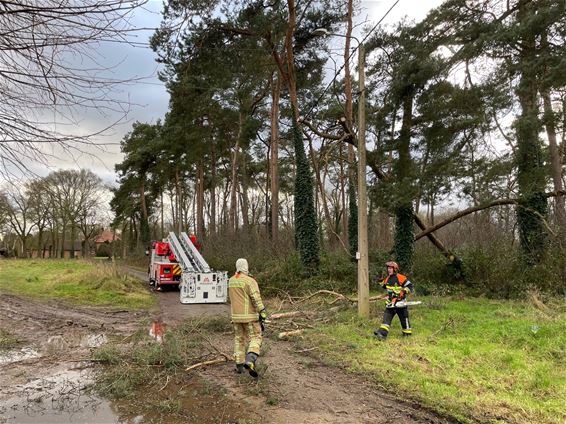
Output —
(499, 202)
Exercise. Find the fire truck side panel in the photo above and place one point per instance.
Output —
(202, 287)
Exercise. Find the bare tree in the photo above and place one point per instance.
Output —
(40, 209)
(15, 205)
(75, 194)
(50, 70)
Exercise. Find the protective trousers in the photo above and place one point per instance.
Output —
(388, 317)
(249, 332)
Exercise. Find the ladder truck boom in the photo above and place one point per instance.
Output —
(199, 283)
(180, 253)
(199, 261)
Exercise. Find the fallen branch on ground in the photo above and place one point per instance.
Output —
(376, 298)
(338, 295)
(293, 333)
(216, 349)
(206, 363)
(290, 314)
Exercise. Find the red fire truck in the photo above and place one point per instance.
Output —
(164, 270)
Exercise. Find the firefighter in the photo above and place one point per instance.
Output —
(248, 314)
(195, 241)
(398, 287)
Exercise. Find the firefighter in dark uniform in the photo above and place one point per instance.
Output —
(398, 287)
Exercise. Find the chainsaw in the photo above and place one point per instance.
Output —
(403, 303)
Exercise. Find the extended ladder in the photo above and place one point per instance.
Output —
(199, 283)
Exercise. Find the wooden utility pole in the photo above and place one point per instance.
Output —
(363, 273)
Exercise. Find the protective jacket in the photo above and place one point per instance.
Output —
(397, 286)
(245, 299)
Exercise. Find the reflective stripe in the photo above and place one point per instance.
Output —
(407, 331)
(240, 316)
(385, 327)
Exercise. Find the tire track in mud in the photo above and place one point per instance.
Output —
(35, 319)
(303, 390)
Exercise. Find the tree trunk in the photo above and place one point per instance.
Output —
(555, 162)
(39, 243)
(200, 200)
(404, 245)
(530, 169)
(178, 201)
(554, 151)
(291, 79)
(244, 196)
(349, 122)
(124, 239)
(273, 162)
(73, 239)
(233, 199)
(320, 186)
(212, 229)
(63, 237)
(144, 224)
(162, 213)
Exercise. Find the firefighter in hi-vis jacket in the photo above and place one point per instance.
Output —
(398, 287)
(248, 315)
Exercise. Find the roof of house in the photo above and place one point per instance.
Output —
(106, 236)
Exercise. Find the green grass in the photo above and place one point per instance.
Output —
(74, 281)
(477, 360)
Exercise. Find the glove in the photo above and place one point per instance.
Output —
(402, 294)
(262, 318)
(391, 303)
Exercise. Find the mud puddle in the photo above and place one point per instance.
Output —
(68, 397)
(59, 398)
(12, 356)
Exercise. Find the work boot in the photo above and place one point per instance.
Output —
(251, 357)
(379, 335)
(239, 368)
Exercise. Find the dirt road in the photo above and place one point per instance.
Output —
(171, 311)
(46, 382)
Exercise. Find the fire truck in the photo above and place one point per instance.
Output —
(164, 270)
(176, 260)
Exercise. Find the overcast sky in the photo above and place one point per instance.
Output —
(149, 98)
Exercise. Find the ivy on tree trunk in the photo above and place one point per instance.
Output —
(404, 236)
(532, 208)
(352, 218)
(306, 234)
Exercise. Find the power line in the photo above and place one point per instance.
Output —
(349, 57)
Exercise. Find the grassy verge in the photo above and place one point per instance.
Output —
(74, 281)
(477, 360)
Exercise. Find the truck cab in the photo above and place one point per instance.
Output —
(163, 268)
